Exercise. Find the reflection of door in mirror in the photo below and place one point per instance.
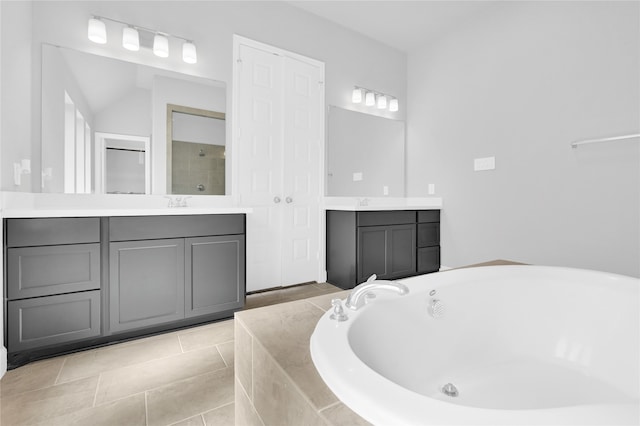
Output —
(196, 154)
(122, 164)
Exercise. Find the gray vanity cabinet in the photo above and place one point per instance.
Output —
(72, 283)
(52, 281)
(391, 244)
(146, 283)
(196, 268)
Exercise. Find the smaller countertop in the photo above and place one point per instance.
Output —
(384, 203)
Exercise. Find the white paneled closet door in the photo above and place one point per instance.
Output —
(303, 154)
(279, 131)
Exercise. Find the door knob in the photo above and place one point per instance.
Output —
(276, 199)
(289, 200)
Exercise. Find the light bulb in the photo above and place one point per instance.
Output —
(370, 99)
(382, 102)
(97, 31)
(356, 96)
(130, 39)
(393, 105)
(189, 54)
(161, 46)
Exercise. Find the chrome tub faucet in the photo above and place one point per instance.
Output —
(356, 298)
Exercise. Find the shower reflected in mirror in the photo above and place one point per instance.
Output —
(196, 152)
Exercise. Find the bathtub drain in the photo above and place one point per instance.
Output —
(450, 390)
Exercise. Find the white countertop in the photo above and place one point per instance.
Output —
(16, 205)
(175, 211)
(378, 204)
(21, 204)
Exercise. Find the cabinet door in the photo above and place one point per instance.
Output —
(402, 251)
(146, 283)
(50, 320)
(428, 259)
(387, 251)
(215, 274)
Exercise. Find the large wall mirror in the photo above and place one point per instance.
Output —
(105, 127)
(365, 155)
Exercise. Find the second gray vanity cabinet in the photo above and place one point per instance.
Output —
(214, 274)
(146, 283)
(389, 243)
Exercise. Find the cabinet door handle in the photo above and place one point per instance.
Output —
(289, 200)
(276, 199)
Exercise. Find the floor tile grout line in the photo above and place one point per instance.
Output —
(180, 343)
(64, 361)
(208, 346)
(223, 360)
(146, 409)
(333, 404)
(95, 396)
(119, 399)
(203, 413)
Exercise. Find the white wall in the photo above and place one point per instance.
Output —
(3, 349)
(56, 80)
(350, 58)
(130, 115)
(17, 92)
(520, 83)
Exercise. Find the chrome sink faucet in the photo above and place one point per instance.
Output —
(356, 298)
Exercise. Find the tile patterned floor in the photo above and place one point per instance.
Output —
(179, 378)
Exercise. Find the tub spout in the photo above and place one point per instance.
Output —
(356, 298)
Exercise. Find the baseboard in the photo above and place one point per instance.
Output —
(445, 268)
(3, 361)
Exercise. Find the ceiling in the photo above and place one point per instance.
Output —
(404, 25)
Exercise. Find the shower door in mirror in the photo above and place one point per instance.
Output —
(122, 164)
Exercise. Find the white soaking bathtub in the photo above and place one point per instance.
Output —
(519, 344)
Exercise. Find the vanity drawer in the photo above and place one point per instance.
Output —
(52, 231)
(428, 216)
(428, 234)
(47, 270)
(391, 217)
(52, 320)
(131, 228)
(428, 259)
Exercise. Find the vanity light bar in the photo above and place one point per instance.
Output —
(97, 33)
(374, 98)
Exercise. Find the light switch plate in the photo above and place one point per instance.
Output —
(357, 176)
